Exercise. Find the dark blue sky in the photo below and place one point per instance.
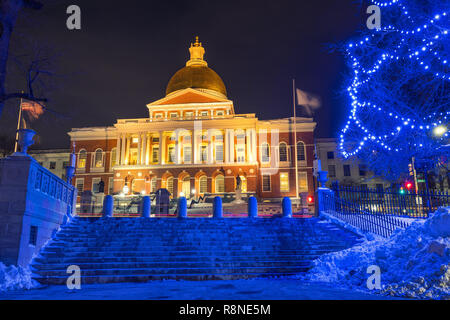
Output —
(125, 54)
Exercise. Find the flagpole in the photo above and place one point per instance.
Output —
(295, 141)
(18, 125)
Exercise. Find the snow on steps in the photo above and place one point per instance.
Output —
(138, 249)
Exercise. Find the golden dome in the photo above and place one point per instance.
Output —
(196, 74)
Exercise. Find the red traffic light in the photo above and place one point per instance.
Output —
(310, 199)
(408, 185)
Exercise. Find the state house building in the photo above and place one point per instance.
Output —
(193, 142)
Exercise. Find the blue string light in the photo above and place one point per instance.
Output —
(418, 45)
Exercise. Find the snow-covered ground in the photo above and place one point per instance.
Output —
(414, 262)
(12, 278)
(256, 289)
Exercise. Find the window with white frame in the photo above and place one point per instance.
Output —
(265, 152)
(283, 152)
(95, 186)
(98, 158)
(203, 184)
(111, 185)
(220, 113)
(204, 113)
(153, 182)
(189, 115)
(219, 184)
(187, 153)
(170, 185)
(173, 115)
(82, 157)
(240, 147)
(302, 182)
(155, 154)
(171, 154)
(219, 151)
(79, 183)
(301, 152)
(284, 182)
(113, 157)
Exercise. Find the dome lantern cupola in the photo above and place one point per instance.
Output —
(197, 75)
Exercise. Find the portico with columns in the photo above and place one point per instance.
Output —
(193, 141)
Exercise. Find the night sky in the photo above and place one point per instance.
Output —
(125, 54)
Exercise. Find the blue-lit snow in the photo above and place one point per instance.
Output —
(414, 262)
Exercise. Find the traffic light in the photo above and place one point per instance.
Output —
(402, 191)
(310, 199)
(410, 169)
(408, 185)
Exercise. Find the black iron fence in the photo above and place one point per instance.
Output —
(396, 202)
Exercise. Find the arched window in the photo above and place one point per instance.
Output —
(203, 184)
(82, 156)
(283, 152)
(98, 158)
(169, 185)
(113, 157)
(153, 184)
(265, 152)
(219, 184)
(301, 151)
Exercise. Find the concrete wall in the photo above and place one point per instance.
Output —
(30, 195)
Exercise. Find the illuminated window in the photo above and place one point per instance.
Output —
(219, 152)
(203, 184)
(302, 182)
(301, 151)
(220, 113)
(219, 184)
(283, 152)
(173, 115)
(158, 116)
(265, 152)
(170, 185)
(153, 184)
(98, 158)
(240, 147)
(187, 154)
(133, 156)
(155, 154)
(284, 182)
(82, 156)
(189, 115)
(204, 113)
(113, 157)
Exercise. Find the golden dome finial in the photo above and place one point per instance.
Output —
(197, 52)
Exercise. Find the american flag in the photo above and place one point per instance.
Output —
(33, 109)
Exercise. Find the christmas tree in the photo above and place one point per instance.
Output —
(399, 89)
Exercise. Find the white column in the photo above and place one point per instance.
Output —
(210, 147)
(178, 146)
(161, 146)
(196, 138)
(251, 143)
(127, 152)
(229, 146)
(144, 148)
(147, 148)
(138, 160)
(118, 153)
(122, 152)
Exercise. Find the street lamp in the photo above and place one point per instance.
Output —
(439, 130)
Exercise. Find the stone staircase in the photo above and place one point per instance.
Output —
(139, 249)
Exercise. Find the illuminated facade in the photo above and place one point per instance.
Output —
(193, 142)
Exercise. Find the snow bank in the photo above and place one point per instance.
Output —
(414, 262)
(12, 278)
